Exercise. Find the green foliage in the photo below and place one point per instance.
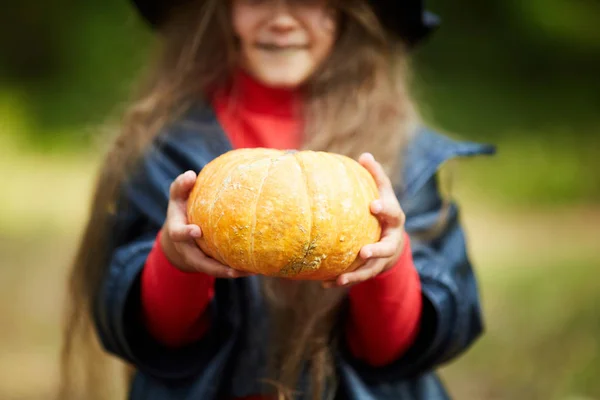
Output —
(72, 63)
(571, 23)
(498, 67)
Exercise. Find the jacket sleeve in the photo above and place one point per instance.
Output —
(451, 317)
(117, 306)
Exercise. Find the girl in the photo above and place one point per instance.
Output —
(312, 74)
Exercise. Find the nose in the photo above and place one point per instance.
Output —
(283, 19)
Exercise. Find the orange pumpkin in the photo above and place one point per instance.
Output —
(292, 214)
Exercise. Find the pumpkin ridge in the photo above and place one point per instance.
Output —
(212, 207)
(311, 245)
(258, 195)
(251, 160)
(352, 175)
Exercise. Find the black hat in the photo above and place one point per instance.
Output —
(406, 18)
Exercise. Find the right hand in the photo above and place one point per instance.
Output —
(178, 238)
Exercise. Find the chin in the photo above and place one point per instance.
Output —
(284, 78)
(283, 82)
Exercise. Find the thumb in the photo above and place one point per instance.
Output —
(182, 186)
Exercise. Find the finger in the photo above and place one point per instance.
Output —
(370, 270)
(180, 232)
(182, 186)
(179, 192)
(389, 209)
(376, 170)
(386, 247)
(200, 262)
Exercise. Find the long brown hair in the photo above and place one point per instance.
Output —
(356, 102)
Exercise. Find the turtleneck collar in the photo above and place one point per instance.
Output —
(249, 93)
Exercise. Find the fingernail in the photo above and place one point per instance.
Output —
(190, 174)
(343, 281)
(195, 232)
(368, 254)
(377, 207)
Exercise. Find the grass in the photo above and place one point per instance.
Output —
(542, 334)
(538, 271)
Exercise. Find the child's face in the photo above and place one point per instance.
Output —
(283, 42)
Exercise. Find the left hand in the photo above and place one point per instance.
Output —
(384, 254)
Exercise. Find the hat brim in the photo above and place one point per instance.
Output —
(407, 20)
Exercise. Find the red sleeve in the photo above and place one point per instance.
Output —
(174, 302)
(385, 312)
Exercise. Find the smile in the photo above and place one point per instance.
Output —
(273, 47)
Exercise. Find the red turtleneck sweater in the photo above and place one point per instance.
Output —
(384, 311)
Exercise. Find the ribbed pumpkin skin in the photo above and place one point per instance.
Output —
(298, 215)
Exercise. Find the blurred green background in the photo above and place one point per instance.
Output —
(524, 75)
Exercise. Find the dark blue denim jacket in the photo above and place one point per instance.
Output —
(229, 359)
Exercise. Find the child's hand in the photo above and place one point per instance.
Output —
(384, 254)
(177, 238)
